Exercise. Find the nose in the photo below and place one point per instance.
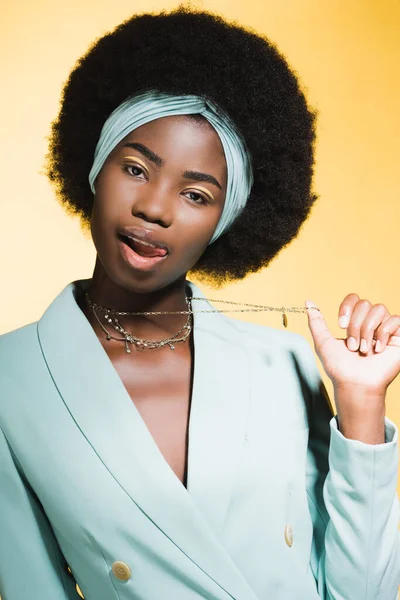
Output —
(154, 204)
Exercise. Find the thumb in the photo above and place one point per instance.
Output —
(317, 324)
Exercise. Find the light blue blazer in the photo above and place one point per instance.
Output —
(279, 504)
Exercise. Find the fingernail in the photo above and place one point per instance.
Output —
(363, 345)
(344, 321)
(352, 343)
(310, 304)
(378, 346)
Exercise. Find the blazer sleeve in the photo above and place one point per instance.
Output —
(31, 562)
(353, 503)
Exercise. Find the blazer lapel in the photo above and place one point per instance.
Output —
(220, 405)
(95, 396)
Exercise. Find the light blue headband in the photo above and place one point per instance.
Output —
(141, 109)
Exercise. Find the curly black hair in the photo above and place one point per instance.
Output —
(188, 51)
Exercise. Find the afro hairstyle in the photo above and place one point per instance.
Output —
(188, 51)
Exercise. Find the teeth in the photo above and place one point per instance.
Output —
(142, 242)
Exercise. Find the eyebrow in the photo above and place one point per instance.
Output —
(146, 152)
(197, 176)
(194, 175)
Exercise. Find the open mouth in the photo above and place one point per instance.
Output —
(141, 254)
(142, 248)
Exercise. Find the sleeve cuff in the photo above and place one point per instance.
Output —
(391, 434)
(368, 471)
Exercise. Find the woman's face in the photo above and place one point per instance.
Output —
(164, 184)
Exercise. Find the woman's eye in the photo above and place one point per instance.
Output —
(136, 171)
(197, 198)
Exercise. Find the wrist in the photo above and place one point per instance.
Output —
(361, 413)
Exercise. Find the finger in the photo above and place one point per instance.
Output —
(390, 328)
(346, 309)
(318, 326)
(359, 314)
(377, 315)
(394, 340)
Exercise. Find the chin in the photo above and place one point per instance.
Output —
(144, 283)
(125, 270)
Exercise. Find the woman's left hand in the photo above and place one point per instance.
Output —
(358, 362)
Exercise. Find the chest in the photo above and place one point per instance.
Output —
(159, 383)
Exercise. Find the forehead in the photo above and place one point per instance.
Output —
(179, 135)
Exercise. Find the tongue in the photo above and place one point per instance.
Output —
(148, 251)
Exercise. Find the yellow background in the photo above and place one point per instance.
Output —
(346, 53)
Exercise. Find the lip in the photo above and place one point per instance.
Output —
(135, 260)
(144, 235)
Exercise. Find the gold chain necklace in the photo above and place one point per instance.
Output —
(111, 316)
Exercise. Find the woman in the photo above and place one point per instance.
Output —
(183, 454)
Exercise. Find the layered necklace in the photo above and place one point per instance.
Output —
(111, 317)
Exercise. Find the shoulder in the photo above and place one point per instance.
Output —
(263, 335)
(21, 344)
(17, 350)
(11, 340)
(286, 348)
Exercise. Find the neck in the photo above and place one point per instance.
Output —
(106, 293)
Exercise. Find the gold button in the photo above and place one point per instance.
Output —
(121, 570)
(289, 535)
